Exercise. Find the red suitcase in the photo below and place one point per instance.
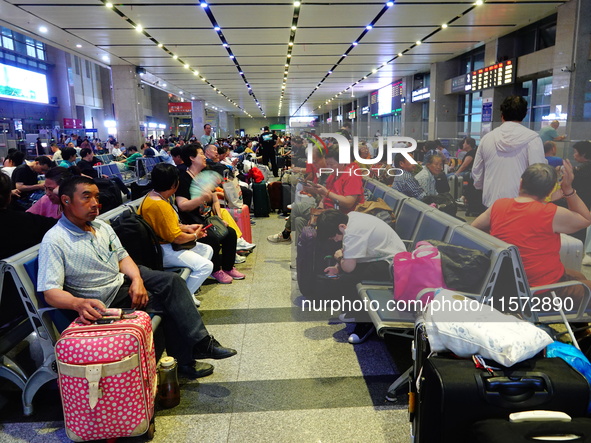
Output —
(242, 218)
(107, 378)
(276, 195)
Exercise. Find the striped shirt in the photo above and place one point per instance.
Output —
(81, 263)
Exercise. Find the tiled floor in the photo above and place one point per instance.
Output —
(295, 378)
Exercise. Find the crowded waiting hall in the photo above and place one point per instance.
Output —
(289, 221)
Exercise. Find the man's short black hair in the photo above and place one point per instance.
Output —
(328, 223)
(132, 148)
(266, 128)
(206, 125)
(17, 157)
(583, 148)
(164, 176)
(46, 161)
(548, 146)
(176, 151)
(68, 153)
(84, 152)
(68, 186)
(514, 108)
(58, 174)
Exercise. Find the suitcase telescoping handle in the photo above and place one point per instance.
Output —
(525, 390)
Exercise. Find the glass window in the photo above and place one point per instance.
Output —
(87, 66)
(77, 65)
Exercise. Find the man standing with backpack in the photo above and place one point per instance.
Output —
(268, 141)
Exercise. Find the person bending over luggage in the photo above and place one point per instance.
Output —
(49, 204)
(158, 211)
(84, 268)
(368, 248)
(20, 229)
(343, 191)
(534, 225)
(195, 210)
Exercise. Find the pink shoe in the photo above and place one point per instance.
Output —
(222, 277)
(235, 274)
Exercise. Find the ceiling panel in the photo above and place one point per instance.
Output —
(253, 16)
(258, 34)
(353, 15)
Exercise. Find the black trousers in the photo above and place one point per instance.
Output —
(227, 247)
(168, 292)
(269, 155)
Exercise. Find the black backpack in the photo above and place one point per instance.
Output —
(139, 239)
(109, 194)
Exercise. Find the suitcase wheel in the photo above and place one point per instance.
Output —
(151, 430)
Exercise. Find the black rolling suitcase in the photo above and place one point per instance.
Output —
(502, 431)
(260, 198)
(454, 394)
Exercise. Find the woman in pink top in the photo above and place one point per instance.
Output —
(49, 204)
(534, 225)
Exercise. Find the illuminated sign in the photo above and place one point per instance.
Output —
(352, 115)
(365, 110)
(20, 84)
(73, 123)
(420, 94)
(179, 107)
(499, 74)
(386, 100)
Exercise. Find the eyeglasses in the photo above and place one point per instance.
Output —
(100, 254)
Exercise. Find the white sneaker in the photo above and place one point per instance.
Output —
(197, 301)
(278, 238)
(587, 260)
(243, 245)
(239, 259)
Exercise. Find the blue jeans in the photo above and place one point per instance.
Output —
(183, 326)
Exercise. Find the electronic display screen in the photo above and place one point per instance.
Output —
(20, 84)
(499, 74)
(386, 100)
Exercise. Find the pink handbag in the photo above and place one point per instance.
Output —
(415, 273)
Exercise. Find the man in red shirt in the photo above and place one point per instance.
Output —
(343, 191)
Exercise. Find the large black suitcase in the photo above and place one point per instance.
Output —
(260, 198)
(454, 394)
(285, 197)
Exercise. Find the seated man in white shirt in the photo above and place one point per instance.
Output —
(368, 249)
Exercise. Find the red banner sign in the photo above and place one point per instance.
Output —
(179, 107)
(72, 123)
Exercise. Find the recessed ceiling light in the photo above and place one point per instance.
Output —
(419, 42)
(225, 45)
(400, 54)
(290, 43)
(293, 28)
(187, 66)
(139, 28)
(203, 4)
(42, 29)
(443, 26)
(374, 70)
(195, 73)
(217, 29)
(78, 45)
(478, 2)
(241, 73)
(160, 45)
(296, 4)
(175, 56)
(192, 98)
(105, 58)
(389, 4)
(164, 85)
(288, 55)
(109, 5)
(181, 92)
(368, 27)
(355, 43)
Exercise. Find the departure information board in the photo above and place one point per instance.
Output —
(499, 74)
(386, 100)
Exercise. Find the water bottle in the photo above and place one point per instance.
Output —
(169, 393)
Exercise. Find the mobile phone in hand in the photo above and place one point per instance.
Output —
(208, 226)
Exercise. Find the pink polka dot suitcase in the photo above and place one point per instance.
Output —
(107, 378)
